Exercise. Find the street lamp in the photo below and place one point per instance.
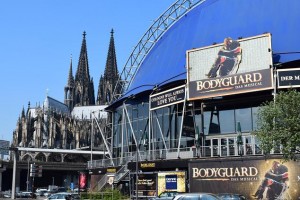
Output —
(52, 181)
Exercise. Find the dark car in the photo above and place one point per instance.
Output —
(166, 195)
(196, 196)
(230, 196)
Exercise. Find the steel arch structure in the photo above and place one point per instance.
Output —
(148, 40)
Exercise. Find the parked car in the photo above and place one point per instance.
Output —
(230, 196)
(41, 192)
(59, 196)
(196, 196)
(28, 195)
(166, 195)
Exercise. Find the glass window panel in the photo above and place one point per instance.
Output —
(227, 121)
(135, 112)
(244, 117)
(206, 122)
(254, 117)
(173, 130)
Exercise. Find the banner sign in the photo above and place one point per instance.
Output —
(255, 179)
(171, 181)
(223, 69)
(288, 78)
(166, 98)
(232, 84)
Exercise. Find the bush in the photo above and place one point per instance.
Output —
(107, 194)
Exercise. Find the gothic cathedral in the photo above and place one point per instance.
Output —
(68, 125)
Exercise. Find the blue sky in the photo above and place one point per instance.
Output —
(38, 37)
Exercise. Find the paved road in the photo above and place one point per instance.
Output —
(38, 198)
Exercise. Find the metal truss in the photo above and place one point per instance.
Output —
(153, 34)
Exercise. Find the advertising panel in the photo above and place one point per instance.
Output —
(146, 184)
(230, 68)
(255, 179)
(171, 181)
(82, 181)
(166, 98)
(288, 78)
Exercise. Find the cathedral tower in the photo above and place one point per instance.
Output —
(84, 85)
(109, 80)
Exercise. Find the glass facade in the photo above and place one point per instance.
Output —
(173, 127)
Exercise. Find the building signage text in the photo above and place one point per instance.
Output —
(147, 165)
(288, 78)
(233, 84)
(167, 98)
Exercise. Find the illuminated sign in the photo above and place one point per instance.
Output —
(82, 181)
(111, 170)
(147, 165)
(166, 98)
(171, 181)
(288, 78)
(235, 66)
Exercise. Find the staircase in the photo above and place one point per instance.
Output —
(121, 173)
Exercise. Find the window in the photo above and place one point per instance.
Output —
(244, 117)
(227, 124)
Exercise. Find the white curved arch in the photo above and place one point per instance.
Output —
(152, 35)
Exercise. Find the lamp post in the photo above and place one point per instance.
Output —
(52, 181)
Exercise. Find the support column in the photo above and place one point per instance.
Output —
(18, 174)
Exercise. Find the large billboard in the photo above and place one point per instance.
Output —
(171, 181)
(233, 67)
(255, 179)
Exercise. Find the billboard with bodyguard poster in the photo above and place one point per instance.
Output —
(232, 67)
(255, 179)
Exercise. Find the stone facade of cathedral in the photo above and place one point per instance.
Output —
(68, 125)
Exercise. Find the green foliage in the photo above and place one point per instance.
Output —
(107, 194)
(279, 124)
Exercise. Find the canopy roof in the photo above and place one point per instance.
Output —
(212, 21)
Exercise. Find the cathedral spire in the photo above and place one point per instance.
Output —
(83, 73)
(111, 61)
(83, 85)
(70, 77)
(111, 75)
(69, 88)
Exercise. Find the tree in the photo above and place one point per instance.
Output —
(279, 124)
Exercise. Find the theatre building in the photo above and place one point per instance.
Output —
(185, 119)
